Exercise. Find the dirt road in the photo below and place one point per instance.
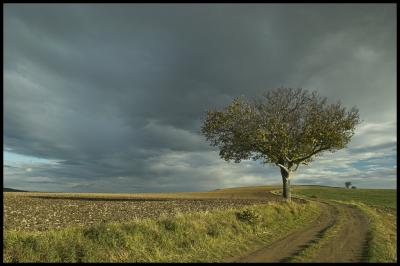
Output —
(349, 245)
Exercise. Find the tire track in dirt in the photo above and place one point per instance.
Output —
(288, 246)
(348, 245)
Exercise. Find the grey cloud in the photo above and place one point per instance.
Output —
(385, 146)
(9, 166)
(107, 90)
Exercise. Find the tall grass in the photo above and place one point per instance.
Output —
(195, 237)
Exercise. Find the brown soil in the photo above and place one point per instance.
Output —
(42, 212)
(349, 245)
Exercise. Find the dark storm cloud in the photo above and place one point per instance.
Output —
(110, 90)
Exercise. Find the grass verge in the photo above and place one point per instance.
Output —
(194, 237)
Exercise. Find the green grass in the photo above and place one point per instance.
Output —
(192, 237)
(372, 197)
(380, 207)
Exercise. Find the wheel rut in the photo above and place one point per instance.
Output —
(348, 245)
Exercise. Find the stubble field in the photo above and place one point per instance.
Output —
(45, 211)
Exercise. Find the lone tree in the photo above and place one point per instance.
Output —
(285, 126)
(347, 184)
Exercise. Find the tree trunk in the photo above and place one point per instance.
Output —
(286, 184)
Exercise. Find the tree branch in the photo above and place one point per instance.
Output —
(282, 166)
(299, 160)
(287, 159)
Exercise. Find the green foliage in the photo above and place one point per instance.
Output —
(285, 126)
(230, 130)
(248, 215)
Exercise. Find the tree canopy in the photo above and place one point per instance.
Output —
(285, 126)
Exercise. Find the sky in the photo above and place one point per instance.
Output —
(111, 97)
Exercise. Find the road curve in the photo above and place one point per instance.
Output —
(349, 245)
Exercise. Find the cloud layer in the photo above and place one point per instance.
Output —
(115, 94)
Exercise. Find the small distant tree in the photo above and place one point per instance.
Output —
(285, 126)
(347, 184)
(353, 187)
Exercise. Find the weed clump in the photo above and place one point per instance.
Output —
(169, 225)
(248, 215)
(105, 235)
(213, 231)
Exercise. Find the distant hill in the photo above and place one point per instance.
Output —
(5, 189)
